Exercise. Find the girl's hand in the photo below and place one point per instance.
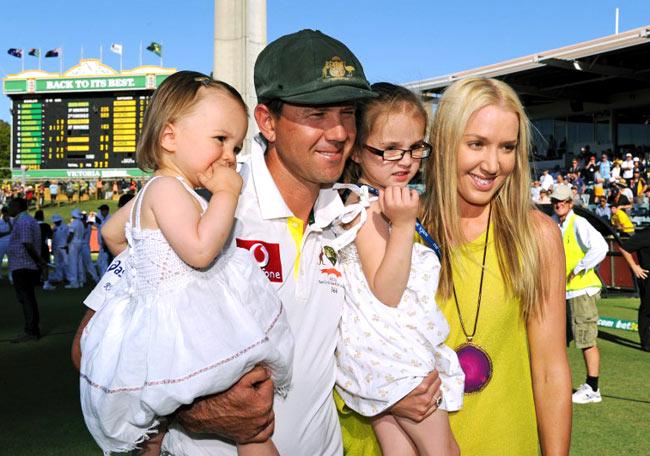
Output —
(400, 205)
(220, 178)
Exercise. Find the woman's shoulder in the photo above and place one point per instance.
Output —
(541, 221)
(547, 231)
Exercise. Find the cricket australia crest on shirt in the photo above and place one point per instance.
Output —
(335, 68)
(327, 261)
(267, 256)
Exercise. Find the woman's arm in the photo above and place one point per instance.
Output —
(547, 340)
(386, 255)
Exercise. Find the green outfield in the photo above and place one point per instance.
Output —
(40, 413)
(64, 210)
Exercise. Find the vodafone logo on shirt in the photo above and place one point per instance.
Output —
(267, 256)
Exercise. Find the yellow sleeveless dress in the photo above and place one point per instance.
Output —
(500, 419)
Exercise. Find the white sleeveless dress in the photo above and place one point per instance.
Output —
(384, 352)
(171, 333)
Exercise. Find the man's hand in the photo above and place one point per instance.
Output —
(421, 402)
(243, 413)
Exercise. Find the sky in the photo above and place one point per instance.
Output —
(397, 41)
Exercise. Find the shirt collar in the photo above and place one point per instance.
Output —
(272, 204)
(328, 205)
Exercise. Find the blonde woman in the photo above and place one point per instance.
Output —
(502, 279)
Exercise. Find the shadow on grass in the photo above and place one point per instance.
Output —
(43, 335)
(619, 340)
(629, 399)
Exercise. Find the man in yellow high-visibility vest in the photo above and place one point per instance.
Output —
(584, 248)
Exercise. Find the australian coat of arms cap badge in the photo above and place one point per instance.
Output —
(335, 68)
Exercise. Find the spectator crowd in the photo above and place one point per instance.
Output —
(614, 188)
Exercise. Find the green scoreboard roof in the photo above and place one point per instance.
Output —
(90, 75)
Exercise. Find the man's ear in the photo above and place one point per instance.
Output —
(265, 122)
(168, 137)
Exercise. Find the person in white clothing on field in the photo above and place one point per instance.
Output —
(59, 244)
(75, 244)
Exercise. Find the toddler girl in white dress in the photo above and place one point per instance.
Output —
(392, 333)
(195, 319)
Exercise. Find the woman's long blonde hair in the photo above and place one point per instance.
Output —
(515, 238)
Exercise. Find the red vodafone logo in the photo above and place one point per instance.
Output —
(261, 254)
(267, 256)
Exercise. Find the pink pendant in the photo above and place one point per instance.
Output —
(476, 364)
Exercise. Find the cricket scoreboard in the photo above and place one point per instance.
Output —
(78, 126)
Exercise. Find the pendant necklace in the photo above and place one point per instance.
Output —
(474, 360)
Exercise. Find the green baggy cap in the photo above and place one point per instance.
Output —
(310, 68)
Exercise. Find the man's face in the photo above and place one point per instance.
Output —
(562, 208)
(313, 142)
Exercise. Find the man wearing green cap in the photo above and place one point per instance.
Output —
(307, 85)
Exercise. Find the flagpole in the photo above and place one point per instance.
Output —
(161, 53)
(82, 52)
(22, 61)
(61, 61)
(140, 52)
(101, 53)
(121, 52)
(39, 58)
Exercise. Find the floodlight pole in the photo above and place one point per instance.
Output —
(239, 36)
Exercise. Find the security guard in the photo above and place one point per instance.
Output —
(584, 248)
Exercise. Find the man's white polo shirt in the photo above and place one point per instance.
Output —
(308, 282)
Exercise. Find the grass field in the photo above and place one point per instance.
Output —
(64, 209)
(39, 389)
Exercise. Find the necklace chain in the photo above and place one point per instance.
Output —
(480, 287)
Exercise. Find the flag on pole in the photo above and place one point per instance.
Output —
(53, 52)
(116, 48)
(156, 48)
(34, 52)
(19, 52)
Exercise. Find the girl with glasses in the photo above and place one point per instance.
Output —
(392, 334)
